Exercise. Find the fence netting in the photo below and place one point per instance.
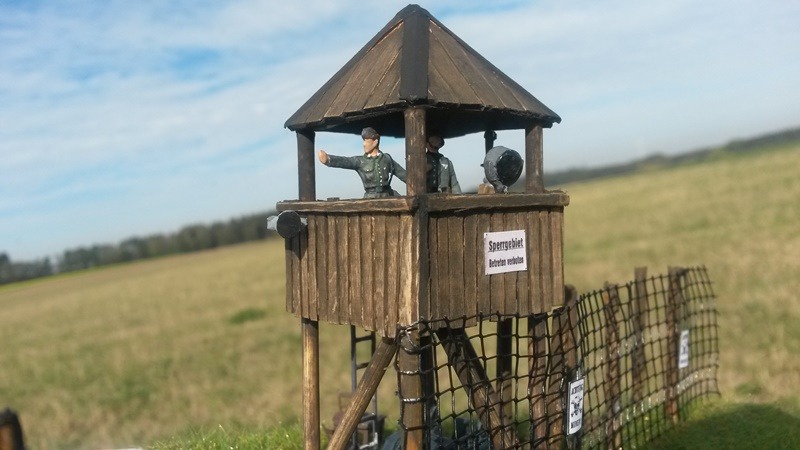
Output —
(636, 356)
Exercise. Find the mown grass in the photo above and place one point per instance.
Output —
(197, 351)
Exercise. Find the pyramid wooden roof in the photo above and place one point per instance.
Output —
(415, 60)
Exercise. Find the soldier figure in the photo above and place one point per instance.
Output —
(441, 175)
(374, 167)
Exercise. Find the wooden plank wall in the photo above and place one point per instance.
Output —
(359, 268)
(458, 285)
(351, 268)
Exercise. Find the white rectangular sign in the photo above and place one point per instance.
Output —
(683, 353)
(504, 251)
(575, 410)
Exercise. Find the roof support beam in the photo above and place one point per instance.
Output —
(534, 165)
(416, 134)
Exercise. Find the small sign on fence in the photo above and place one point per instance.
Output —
(575, 410)
(683, 353)
(504, 251)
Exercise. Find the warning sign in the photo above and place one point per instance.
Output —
(575, 413)
(683, 353)
(504, 251)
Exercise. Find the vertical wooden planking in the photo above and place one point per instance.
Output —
(354, 265)
(433, 280)
(443, 260)
(392, 280)
(323, 276)
(509, 300)
(535, 263)
(471, 274)
(367, 270)
(290, 305)
(497, 293)
(305, 296)
(557, 249)
(408, 300)
(455, 275)
(522, 302)
(484, 284)
(310, 270)
(297, 281)
(379, 271)
(343, 259)
(332, 249)
(510, 278)
(547, 261)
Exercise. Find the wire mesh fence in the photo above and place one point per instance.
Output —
(612, 368)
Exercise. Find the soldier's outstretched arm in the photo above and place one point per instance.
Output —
(343, 162)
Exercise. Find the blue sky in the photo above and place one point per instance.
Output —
(122, 118)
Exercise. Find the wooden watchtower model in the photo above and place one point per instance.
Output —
(380, 264)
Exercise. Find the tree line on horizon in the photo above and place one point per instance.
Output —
(254, 227)
(190, 238)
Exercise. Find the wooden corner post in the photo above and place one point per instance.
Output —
(534, 160)
(309, 328)
(414, 413)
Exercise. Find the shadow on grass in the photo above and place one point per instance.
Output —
(734, 426)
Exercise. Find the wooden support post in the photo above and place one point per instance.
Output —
(537, 331)
(504, 370)
(639, 312)
(612, 375)
(534, 162)
(413, 411)
(416, 133)
(563, 358)
(410, 364)
(305, 165)
(310, 332)
(363, 394)
(674, 303)
(488, 139)
(462, 356)
(309, 328)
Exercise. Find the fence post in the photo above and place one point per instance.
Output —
(674, 302)
(612, 379)
(563, 359)
(640, 309)
(537, 330)
(504, 353)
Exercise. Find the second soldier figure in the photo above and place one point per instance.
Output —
(441, 175)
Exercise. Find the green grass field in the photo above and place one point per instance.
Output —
(196, 351)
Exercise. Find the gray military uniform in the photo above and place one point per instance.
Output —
(375, 172)
(441, 175)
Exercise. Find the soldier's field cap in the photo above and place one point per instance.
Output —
(369, 133)
(436, 141)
